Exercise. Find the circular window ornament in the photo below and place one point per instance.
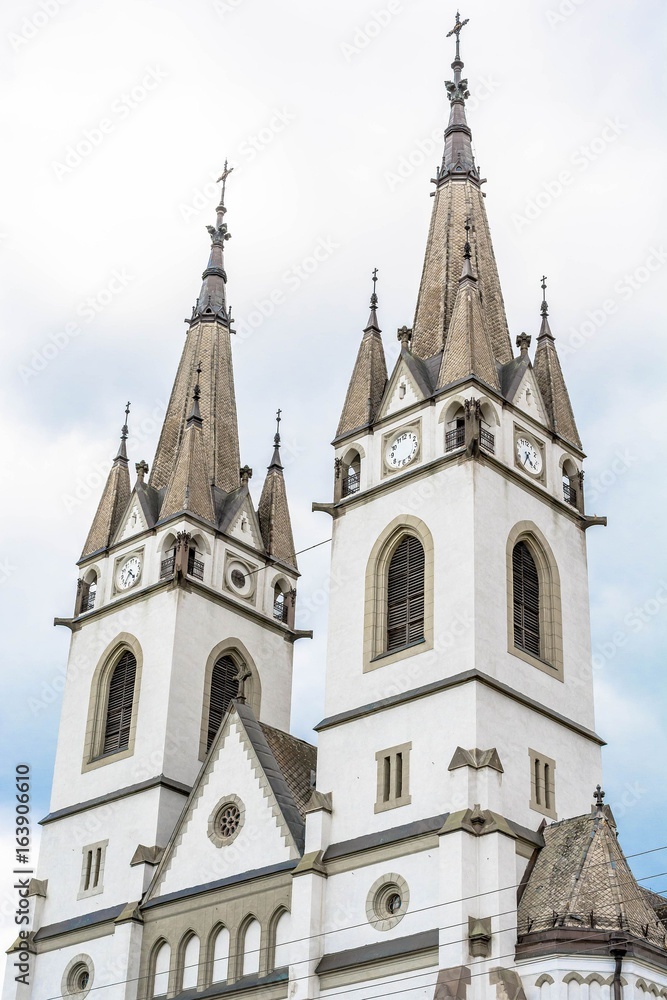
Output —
(226, 821)
(78, 977)
(387, 901)
(240, 579)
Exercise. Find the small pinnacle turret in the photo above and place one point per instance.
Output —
(273, 510)
(369, 376)
(550, 379)
(458, 197)
(190, 483)
(468, 348)
(206, 360)
(114, 499)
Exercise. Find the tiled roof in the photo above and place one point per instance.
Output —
(468, 348)
(112, 506)
(297, 760)
(367, 383)
(581, 880)
(549, 376)
(208, 343)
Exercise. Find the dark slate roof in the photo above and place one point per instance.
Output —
(511, 374)
(285, 772)
(297, 760)
(423, 372)
(657, 903)
(580, 879)
(150, 502)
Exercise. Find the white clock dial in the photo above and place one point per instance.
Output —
(129, 573)
(529, 457)
(402, 449)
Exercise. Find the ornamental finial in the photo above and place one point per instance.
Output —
(276, 440)
(467, 253)
(456, 30)
(598, 795)
(374, 298)
(545, 308)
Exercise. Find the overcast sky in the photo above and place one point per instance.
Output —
(116, 117)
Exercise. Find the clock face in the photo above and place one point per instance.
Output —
(529, 457)
(129, 573)
(402, 449)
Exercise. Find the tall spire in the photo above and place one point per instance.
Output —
(273, 510)
(190, 483)
(550, 379)
(458, 196)
(115, 498)
(369, 376)
(209, 344)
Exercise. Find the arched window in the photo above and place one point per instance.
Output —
(119, 704)
(221, 956)
(455, 430)
(252, 939)
(526, 597)
(281, 940)
(224, 687)
(161, 970)
(405, 594)
(190, 963)
(280, 605)
(351, 474)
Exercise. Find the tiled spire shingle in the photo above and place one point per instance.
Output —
(550, 379)
(190, 483)
(114, 499)
(273, 510)
(208, 342)
(468, 348)
(369, 376)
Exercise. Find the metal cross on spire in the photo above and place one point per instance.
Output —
(456, 30)
(374, 298)
(278, 419)
(545, 308)
(227, 170)
(467, 253)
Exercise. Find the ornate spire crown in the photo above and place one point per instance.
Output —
(373, 324)
(458, 157)
(212, 301)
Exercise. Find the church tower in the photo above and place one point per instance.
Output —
(440, 843)
(185, 602)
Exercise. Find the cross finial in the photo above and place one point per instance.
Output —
(197, 391)
(142, 470)
(374, 298)
(466, 250)
(598, 795)
(545, 308)
(276, 439)
(226, 171)
(404, 335)
(456, 30)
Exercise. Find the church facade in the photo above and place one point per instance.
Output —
(446, 839)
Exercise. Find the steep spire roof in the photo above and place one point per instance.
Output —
(580, 879)
(273, 510)
(369, 375)
(114, 500)
(458, 197)
(549, 376)
(468, 348)
(190, 484)
(208, 342)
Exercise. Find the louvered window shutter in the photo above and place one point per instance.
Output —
(224, 687)
(119, 704)
(405, 595)
(526, 600)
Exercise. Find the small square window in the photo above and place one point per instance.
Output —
(92, 869)
(542, 784)
(393, 777)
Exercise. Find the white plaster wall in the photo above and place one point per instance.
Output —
(126, 823)
(109, 969)
(346, 923)
(260, 842)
